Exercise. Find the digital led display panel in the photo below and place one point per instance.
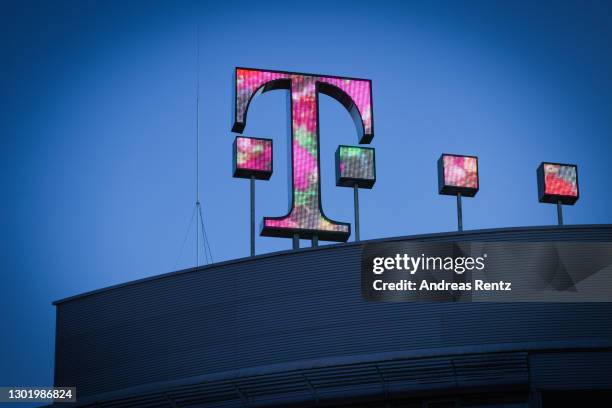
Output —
(306, 217)
(355, 165)
(252, 158)
(458, 174)
(558, 182)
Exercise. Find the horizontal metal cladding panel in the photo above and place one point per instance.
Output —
(287, 307)
(571, 371)
(324, 385)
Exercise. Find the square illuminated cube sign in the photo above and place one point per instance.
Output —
(355, 165)
(252, 158)
(458, 174)
(557, 182)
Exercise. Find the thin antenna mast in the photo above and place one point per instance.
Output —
(197, 209)
(199, 213)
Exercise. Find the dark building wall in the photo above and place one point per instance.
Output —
(291, 306)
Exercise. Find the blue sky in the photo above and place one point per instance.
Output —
(98, 126)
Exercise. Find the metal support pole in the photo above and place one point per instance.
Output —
(315, 241)
(296, 241)
(559, 213)
(252, 216)
(197, 233)
(459, 213)
(356, 202)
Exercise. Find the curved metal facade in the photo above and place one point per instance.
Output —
(292, 327)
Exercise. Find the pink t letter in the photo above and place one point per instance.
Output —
(306, 217)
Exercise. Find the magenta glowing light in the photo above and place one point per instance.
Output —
(458, 175)
(355, 166)
(460, 171)
(252, 157)
(306, 217)
(558, 182)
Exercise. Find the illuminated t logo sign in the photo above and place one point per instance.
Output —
(306, 217)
